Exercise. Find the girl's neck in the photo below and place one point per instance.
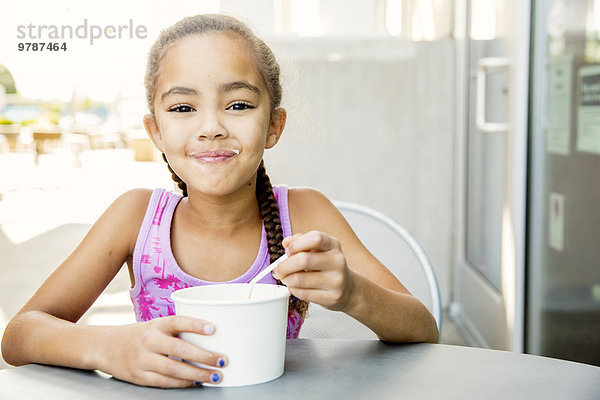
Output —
(222, 213)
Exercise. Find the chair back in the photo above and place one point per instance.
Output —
(395, 248)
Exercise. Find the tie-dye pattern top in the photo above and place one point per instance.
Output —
(157, 274)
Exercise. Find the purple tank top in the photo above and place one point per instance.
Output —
(157, 274)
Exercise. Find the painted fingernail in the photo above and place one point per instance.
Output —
(221, 362)
(198, 383)
(209, 329)
(215, 378)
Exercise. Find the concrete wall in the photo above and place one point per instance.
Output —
(371, 122)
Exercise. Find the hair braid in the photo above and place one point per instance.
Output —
(269, 211)
(180, 184)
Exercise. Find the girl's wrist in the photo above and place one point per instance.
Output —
(97, 353)
(354, 304)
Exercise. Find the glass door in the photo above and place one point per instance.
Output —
(563, 313)
(492, 76)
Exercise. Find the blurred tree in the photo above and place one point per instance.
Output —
(7, 80)
(86, 103)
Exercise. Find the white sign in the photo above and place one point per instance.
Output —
(588, 110)
(558, 127)
(556, 225)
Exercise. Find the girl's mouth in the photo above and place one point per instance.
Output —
(214, 156)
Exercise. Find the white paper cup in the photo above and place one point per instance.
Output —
(250, 332)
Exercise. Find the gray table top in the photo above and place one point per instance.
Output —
(351, 369)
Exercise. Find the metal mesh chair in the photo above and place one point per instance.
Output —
(399, 252)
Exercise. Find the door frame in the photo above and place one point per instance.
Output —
(474, 300)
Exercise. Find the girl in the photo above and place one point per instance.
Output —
(214, 97)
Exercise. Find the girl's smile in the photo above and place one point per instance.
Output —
(214, 156)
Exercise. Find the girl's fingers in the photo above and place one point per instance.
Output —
(184, 350)
(151, 378)
(176, 324)
(309, 280)
(316, 296)
(312, 241)
(310, 261)
(318, 287)
(287, 240)
(182, 373)
(166, 343)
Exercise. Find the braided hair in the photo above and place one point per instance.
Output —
(180, 184)
(269, 212)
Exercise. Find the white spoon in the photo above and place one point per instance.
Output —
(264, 272)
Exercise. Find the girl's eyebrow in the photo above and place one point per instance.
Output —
(228, 87)
(225, 87)
(179, 90)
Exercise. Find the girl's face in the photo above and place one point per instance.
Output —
(212, 113)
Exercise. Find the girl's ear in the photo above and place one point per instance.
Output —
(276, 126)
(153, 131)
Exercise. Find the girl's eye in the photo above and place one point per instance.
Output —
(240, 106)
(181, 108)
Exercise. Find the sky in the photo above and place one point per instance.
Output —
(99, 68)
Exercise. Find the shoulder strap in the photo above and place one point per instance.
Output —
(281, 194)
(149, 220)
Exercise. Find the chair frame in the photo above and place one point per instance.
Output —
(408, 238)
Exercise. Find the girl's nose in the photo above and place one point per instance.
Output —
(211, 128)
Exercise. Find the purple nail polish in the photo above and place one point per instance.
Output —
(215, 378)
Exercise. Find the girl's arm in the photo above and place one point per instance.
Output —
(45, 331)
(329, 265)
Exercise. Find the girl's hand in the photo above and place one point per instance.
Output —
(139, 353)
(316, 270)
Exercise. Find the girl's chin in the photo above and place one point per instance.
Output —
(218, 188)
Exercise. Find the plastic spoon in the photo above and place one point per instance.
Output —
(264, 272)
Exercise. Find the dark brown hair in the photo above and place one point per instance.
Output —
(269, 211)
(266, 62)
(270, 71)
